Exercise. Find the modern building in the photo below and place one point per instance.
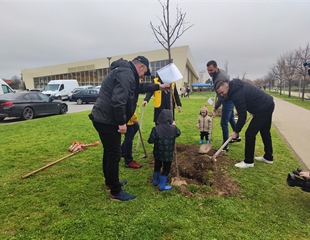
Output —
(92, 72)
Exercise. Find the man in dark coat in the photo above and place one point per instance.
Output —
(113, 108)
(247, 97)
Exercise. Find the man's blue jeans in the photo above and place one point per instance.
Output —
(227, 116)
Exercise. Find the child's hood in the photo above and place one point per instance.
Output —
(165, 117)
(204, 109)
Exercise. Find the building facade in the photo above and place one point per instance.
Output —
(92, 72)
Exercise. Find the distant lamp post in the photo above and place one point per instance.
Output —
(109, 58)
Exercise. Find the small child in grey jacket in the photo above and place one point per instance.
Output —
(204, 125)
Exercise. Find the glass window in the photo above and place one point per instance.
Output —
(44, 97)
(33, 96)
(78, 77)
(27, 97)
(6, 89)
(87, 78)
(36, 83)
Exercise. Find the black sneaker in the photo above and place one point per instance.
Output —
(122, 196)
(238, 139)
(226, 149)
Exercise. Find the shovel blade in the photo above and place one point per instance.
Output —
(178, 182)
(205, 148)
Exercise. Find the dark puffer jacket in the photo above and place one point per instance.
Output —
(119, 94)
(163, 136)
(248, 97)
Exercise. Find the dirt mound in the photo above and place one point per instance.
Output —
(200, 175)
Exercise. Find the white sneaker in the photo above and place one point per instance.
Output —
(262, 159)
(244, 165)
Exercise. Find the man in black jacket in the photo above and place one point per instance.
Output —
(113, 108)
(247, 97)
(162, 99)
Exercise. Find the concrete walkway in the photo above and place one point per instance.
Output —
(293, 123)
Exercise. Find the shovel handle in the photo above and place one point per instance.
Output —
(48, 165)
(140, 134)
(227, 141)
(221, 148)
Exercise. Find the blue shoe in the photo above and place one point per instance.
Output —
(155, 178)
(207, 141)
(162, 183)
(200, 142)
(122, 196)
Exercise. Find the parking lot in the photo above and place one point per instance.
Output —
(72, 108)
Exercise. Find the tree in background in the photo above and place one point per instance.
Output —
(16, 82)
(303, 55)
(167, 34)
(289, 67)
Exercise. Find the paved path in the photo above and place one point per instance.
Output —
(293, 123)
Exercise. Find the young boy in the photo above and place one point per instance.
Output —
(163, 136)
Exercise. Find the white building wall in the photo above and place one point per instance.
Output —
(182, 58)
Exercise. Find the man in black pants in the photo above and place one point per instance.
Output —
(113, 108)
(247, 97)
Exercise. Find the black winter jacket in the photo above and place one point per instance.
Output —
(163, 136)
(247, 97)
(119, 93)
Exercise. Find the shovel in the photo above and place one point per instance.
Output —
(227, 141)
(140, 127)
(221, 148)
(145, 153)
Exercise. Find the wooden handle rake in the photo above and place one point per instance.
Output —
(74, 148)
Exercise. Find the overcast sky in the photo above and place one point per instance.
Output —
(249, 35)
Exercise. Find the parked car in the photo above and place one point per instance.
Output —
(27, 105)
(61, 88)
(75, 90)
(87, 96)
(5, 88)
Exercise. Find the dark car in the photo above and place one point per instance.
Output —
(80, 88)
(87, 96)
(27, 105)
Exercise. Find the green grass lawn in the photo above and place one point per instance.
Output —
(292, 99)
(67, 200)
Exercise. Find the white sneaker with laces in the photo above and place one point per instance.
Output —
(262, 159)
(244, 165)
